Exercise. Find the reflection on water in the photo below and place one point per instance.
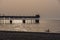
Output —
(44, 26)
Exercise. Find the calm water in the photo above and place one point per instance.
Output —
(52, 25)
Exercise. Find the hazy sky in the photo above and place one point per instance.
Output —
(46, 8)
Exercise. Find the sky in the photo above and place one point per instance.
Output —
(47, 9)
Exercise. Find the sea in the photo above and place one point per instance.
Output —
(51, 26)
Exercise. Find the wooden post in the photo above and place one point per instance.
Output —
(23, 21)
(37, 21)
(10, 21)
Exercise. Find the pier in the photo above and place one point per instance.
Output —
(19, 19)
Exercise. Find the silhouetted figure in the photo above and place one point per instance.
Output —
(10, 21)
(48, 30)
